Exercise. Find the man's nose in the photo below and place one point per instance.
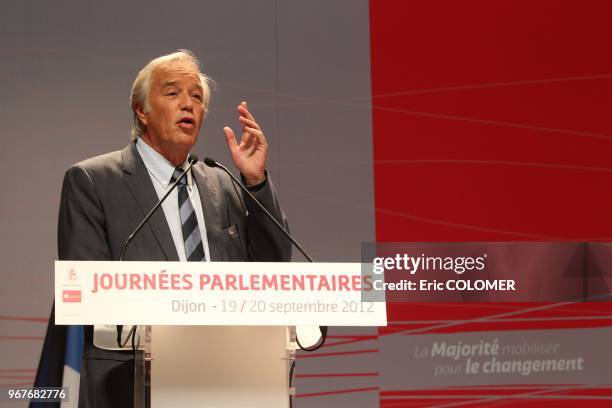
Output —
(186, 102)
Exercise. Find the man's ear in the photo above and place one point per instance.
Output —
(142, 115)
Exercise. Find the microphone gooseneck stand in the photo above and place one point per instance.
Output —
(213, 163)
(192, 159)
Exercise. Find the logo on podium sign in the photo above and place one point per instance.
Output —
(71, 296)
(71, 291)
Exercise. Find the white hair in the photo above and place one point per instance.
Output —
(142, 85)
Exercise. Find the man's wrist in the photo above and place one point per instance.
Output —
(254, 184)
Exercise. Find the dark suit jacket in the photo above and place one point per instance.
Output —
(103, 200)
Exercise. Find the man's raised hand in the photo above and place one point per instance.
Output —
(251, 154)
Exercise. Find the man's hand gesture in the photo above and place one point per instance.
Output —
(251, 155)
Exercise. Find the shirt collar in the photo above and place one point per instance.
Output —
(157, 165)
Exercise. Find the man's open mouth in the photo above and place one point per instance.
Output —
(186, 123)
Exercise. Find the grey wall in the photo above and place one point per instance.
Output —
(65, 72)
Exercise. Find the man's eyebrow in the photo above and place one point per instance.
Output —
(199, 86)
(168, 83)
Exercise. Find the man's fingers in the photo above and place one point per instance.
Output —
(252, 136)
(253, 131)
(246, 139)
(244, 111)
(248, 122)
(230, 137)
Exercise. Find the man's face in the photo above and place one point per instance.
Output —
(175, 110)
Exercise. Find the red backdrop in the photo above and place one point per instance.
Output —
(491, 122)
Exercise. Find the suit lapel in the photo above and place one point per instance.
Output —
(139, 182)
(210, 198)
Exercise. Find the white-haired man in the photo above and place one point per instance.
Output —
(104, 199)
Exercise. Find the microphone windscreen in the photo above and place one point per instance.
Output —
(210, 162)
(192, 158)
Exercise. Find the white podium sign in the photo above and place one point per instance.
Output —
(213, 293)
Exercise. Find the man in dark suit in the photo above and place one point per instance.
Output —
(205, 218)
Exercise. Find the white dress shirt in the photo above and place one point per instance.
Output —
(160, 170)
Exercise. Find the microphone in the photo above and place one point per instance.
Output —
(191, 159)
(213, 163)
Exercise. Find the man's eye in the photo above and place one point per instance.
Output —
(197, 96)
(171, 93)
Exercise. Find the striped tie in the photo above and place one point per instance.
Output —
(189, 223)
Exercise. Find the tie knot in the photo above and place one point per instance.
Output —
(177, 173)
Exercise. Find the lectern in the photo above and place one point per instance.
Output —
(214, 334)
